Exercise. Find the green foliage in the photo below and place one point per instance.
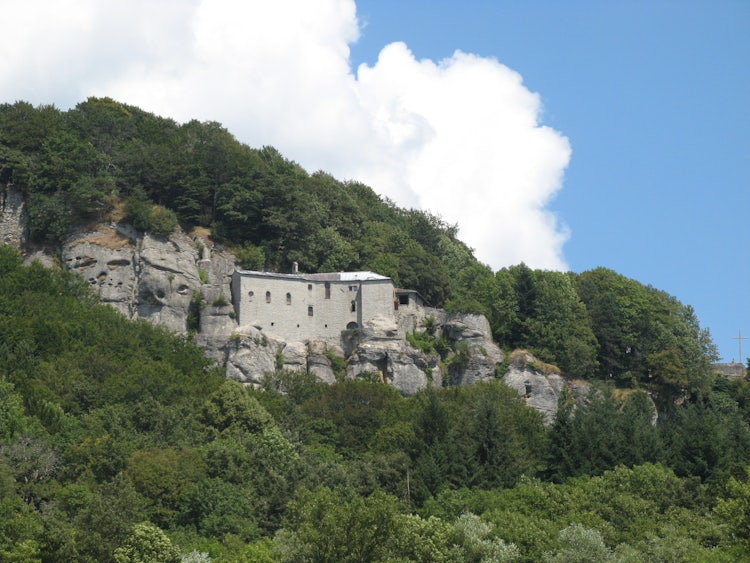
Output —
(474, 532)
(145, 216)
(162, 221)
(231, 409)
(105, 424)
(48, 217)
(603, 433)
(734, 509)
(427, 540)
(459, 361)
(251, 257)
(138, 211)
(220, 301)
(147, 544)
(118, 423)
(336, 525)
(422, 341)
(596, 325)
(162, 476)
(638, 327)
(197, 302)
(581, 545)
(338, 365)
(12, 415)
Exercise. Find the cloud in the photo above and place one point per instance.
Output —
(460, 137)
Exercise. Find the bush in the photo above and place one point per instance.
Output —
(156, 219)
(251, 257)
(48, 217)
(163, 221)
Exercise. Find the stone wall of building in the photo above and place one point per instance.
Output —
(733, 370)
(297, 307)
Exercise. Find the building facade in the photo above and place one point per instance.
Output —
(312, 306)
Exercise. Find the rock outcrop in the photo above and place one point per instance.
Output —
(147, 277)
(183, 283)
(12, 217)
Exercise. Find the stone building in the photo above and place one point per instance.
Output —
(318, 306)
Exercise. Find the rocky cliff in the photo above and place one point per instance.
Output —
(183, 283)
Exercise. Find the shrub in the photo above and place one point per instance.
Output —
(163, 221)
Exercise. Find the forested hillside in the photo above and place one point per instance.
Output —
(119, 442)
(117, 438)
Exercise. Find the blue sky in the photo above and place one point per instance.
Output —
(565, 134)
(653, 97)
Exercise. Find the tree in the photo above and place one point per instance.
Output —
(163, 476)
(337, 525)
(734, 508)
(147, 544)
(580, 545)
(12, 419)
(425, 540)
(231, 409)
(473, 535)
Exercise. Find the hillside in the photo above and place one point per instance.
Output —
(117, 437)
(117, 434)
(105, 161)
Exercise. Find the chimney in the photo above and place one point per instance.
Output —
(295, 268)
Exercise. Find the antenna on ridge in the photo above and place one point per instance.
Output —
(739, 338)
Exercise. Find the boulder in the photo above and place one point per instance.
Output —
(250, 355)
(541, 384)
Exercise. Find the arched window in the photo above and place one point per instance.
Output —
(354, 306)
(251, 295)
(288, 298)
(268, 296)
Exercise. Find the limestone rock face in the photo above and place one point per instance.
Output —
(412, 371)
(472, 334)
(250, 355)
(12, 217)
(168, 275)
(156, 278)
(540, 391)
(107, 258)
(540, 387)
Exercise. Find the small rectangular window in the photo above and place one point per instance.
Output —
(328, 290)
(309, 311)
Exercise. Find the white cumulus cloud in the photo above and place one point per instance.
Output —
(460, 137)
